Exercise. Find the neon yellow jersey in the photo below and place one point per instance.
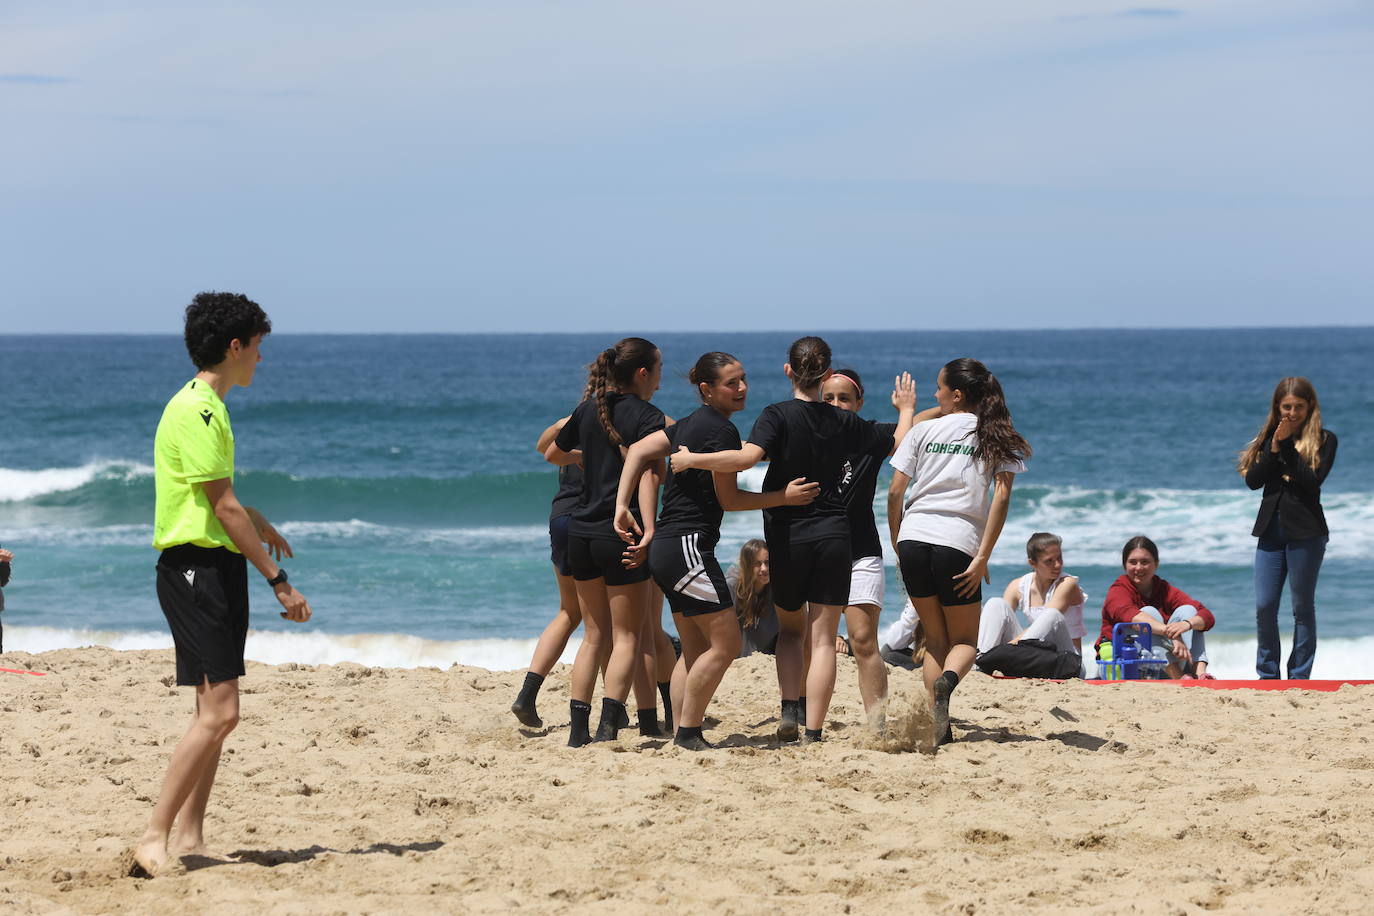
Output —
(194, 444)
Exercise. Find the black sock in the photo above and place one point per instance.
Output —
(801, 709)
(612, 713)
(665, 690)
(523, 707)
(691, 739)
(791, 710)
(578, 731)
(951, 678)
(813, 734)
(648, 722)
(529, 691)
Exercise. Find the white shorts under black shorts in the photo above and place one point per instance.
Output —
(867, 582)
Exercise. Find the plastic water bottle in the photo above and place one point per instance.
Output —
(1130, 652)
(1109, 671)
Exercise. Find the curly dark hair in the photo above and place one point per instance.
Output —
(215, 319)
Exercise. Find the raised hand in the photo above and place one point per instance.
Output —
(904, 392)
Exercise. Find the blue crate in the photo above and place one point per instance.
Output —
(1137, 668)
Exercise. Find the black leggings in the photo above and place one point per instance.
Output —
(928, 570)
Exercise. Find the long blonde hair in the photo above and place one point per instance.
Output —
(750, 597)
(1309, 438)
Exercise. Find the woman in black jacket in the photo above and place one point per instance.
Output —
(1289, 458)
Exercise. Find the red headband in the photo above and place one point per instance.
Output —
(852, 380)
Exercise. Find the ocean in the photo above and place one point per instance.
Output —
(403, 471)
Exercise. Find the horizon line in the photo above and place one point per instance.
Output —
(876, 330)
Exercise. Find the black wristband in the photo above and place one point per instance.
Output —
(279, 578)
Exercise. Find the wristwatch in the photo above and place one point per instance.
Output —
(279, 578)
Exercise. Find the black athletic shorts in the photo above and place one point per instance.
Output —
(928, 570)
(558, 544)
(204, 596)
(814, 571)
(689, 575)
(600, 558)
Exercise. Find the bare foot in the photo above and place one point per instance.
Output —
(151, 854)
(179, 849)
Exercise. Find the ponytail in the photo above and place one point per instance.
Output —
(616, 366)
(998, 441)
(809, 358)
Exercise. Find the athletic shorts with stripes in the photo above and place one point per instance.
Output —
(689, 575)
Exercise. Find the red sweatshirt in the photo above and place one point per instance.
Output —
(1123, 603)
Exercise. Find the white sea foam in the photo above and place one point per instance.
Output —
(17, 485)
(1231, 656)
(388, 650)
(1190, 526)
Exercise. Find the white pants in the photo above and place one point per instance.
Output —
(902, 632)
(998, 625)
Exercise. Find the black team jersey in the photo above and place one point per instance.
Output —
(862, 469)
(569, 491)
(689, 501)
(602, 460)
(811, 439)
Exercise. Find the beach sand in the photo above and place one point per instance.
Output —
(348, 789)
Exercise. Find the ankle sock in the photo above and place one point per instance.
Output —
(950, 678)
(612, 713)
(580, 714)
(648, 722)
(665, 690)
(812, 734)
(523, 707)
(791, 720)
(691, 739)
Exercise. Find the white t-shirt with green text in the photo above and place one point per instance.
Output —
(949, 497)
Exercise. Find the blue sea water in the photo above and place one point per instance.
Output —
(403, 470)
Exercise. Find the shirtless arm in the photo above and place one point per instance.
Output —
(639, 456)
(731, 460)
(733, 499)
(238, 524)
(896, 493)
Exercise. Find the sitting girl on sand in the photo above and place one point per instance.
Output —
(1052, 602)
(1176, 620)
(750, 588)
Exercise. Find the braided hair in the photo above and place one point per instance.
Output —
(615, 367)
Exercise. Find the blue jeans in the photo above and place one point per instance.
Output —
(1276, 559)
(1193, 640)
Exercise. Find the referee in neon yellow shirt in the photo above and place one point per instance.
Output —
(207, 539)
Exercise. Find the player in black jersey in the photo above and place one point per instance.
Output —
(845, 390)
(808, 546)
(682, 550)
(555, 637)
(611, 581)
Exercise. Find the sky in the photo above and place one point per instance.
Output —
(627, 166)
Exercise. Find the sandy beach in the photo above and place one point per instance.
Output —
(348, 789)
